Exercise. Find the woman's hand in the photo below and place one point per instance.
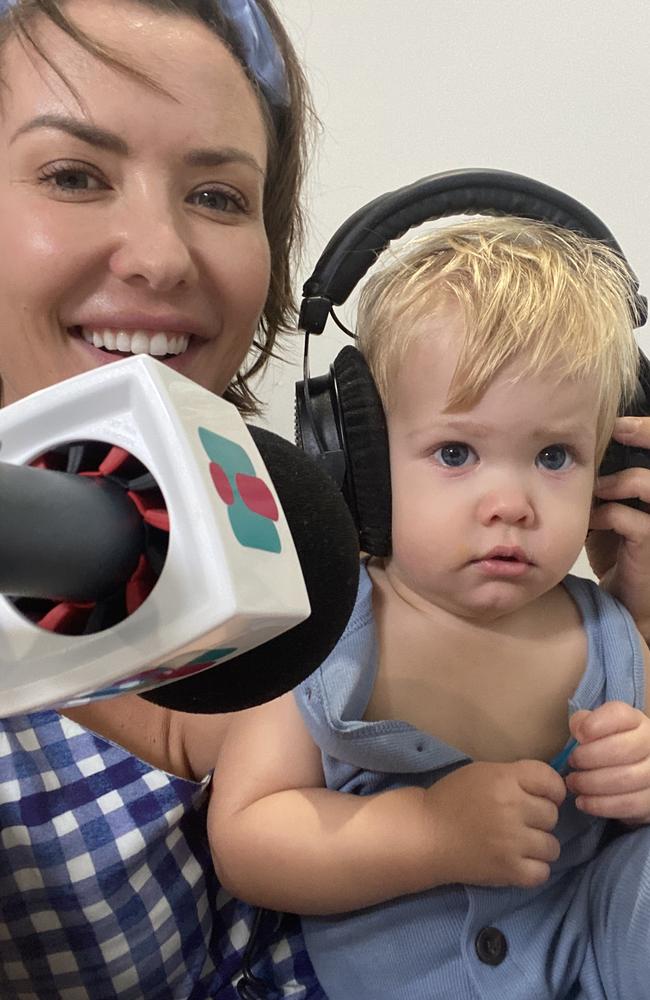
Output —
(618, 545)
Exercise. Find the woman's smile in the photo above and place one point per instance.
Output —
(128, 238)
(158, 344)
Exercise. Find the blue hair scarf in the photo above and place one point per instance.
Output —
(261, 54)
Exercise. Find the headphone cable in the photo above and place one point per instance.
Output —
(250, 986)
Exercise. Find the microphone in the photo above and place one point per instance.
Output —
(327, 544)
(65, 536)
(152, 544)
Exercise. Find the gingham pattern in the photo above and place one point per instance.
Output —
(106, 883)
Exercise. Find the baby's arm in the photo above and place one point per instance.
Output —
(281, 840)
(612, 761)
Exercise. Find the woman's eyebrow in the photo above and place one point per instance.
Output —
(104, 139)
(216, 157)
(91, 134)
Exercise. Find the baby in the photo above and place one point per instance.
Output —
(410, 799)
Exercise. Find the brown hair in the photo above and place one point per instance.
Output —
(289, 130)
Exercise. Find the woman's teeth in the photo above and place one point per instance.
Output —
(138, 341)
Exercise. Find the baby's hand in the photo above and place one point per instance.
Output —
(612, 762)
(492, 823)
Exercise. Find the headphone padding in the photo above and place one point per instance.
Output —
(356, 244)
(365, 441)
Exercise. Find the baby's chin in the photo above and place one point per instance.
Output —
(490, 602)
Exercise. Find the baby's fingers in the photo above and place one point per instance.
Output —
(540, 780)
(630, 807)
(611, 717)
(626, 748)
(611, 781)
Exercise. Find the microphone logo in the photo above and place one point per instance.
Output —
(251, 506)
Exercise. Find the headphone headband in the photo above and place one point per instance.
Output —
(339, 418)
(355, 246)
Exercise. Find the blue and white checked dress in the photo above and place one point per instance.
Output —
(107, 888)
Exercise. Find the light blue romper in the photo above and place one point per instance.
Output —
(583, 935)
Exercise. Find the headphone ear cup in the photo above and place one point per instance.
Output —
(620, 456)
(362, 428)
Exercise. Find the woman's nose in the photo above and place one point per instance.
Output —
(510, 503)
(153, 247)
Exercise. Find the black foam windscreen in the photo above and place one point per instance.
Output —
(327, 545)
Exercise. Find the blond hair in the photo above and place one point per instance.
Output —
(527, 290)
(289, 132)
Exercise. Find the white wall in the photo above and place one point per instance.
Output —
(404, 88)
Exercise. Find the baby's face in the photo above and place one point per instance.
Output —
(490, 505)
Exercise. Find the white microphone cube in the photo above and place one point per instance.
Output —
(231, 579)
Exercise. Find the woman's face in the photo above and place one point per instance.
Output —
(131, 221)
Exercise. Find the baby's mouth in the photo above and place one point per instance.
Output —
(507, 554)
(157, 343)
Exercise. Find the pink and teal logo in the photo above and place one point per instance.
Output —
(252, 510)
(209, 658)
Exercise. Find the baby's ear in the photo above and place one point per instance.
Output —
(576, 722)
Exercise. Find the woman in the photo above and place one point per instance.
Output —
(150, 163)
(151, 160)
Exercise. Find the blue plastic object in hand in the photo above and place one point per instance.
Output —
(559, 762)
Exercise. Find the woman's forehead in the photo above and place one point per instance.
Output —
(192, 72)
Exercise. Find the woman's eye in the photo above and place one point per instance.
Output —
(556, 458)
(218, 200)
(71, 179)
(455, 455)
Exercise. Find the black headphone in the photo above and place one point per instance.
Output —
(339, 416)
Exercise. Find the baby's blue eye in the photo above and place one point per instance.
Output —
(555, 457)
(455, 454)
